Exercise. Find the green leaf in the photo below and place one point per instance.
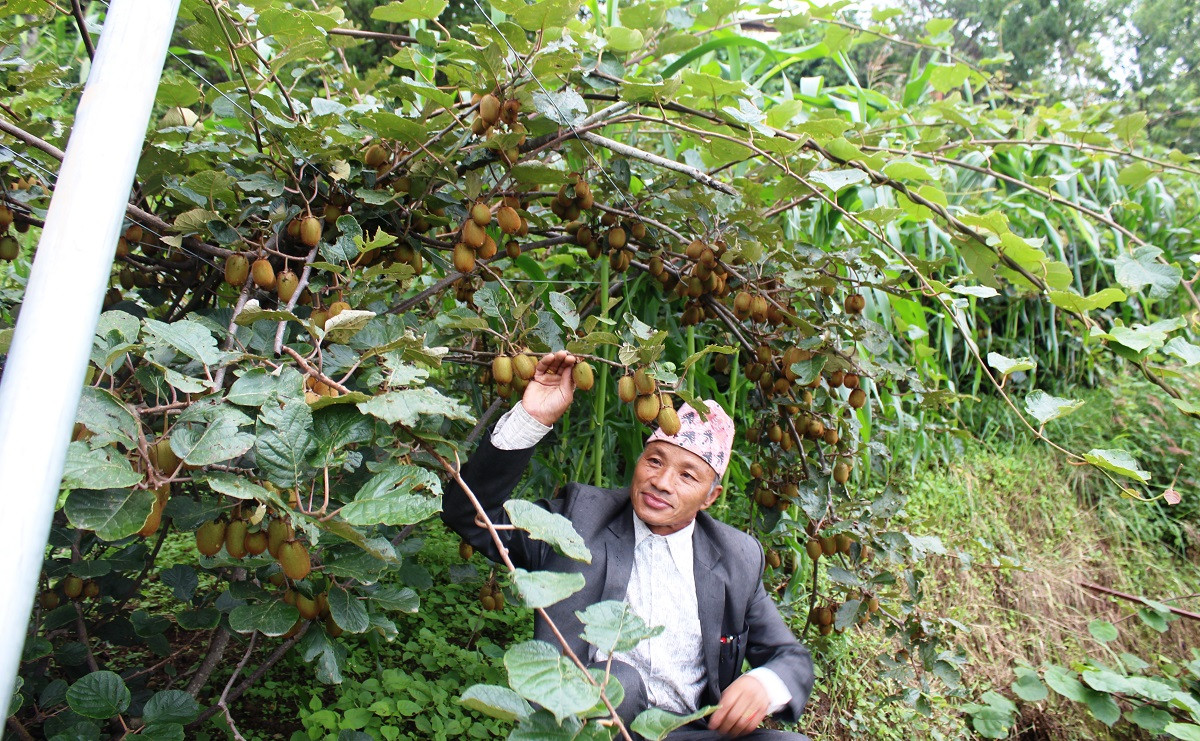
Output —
(220, 440)
(545, 588)
(836, 180)
(1129, 126)
(497, 702)
(1074, 302)
(565, 308)
(1117, 461)
(348, 612)
(190, 338)
(395, 497)
(1184, 350)
(807, 370)
(623, 39)
(252, 312)
(204, 619)
(254, 388)
(408, 406)
(104, 468)
(171, 706)
(284, 442)
(1007, 365)
(1105, 680)
(613, 627)
(541, 674)
(272, 618)
(1103, 707)
(349, 322)
(409, 10)
(100, 695)
(1135, 174)
(1028, 686)
(339, 426)
(107, 417)
(1043, 407)
(235, 486)
(1134, 271)
(1150, 718)
(112, 513)
(1065, 683)
(545, 14)
(548, 527)
(1102, 631)
(1155, 619)
(654, 724)
(565, 108)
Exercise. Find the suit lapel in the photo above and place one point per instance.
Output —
(618, 546)
(710, 600)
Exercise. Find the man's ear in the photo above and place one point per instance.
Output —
(716, 494)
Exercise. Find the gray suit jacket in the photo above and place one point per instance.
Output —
(728, 571)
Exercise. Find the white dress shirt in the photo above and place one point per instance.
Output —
(670, 664)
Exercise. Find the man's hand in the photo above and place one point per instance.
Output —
(552, 388)
(742, 708)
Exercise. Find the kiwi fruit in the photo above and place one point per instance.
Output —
(72, 586)
(278, 531)
(513, 248)
(473, 234)
(294, 559)
(626, 389)
(583, 376)
(263, 274)
(162, 457)
(91, 590)
(337, 307)
(643, 382)
(828, 545)
(48, 599)
(844, 542)
(310, 231)
(616, 238)
(481, 214)
(758, 308)
(858, 398)
(489, 109)
(466, 550)
(463, 258)
(237, 269)
(256, 542)
(668, 421)
(773, 559)
(331, 213)
(841, 472)
(831, 436)
(508, 219)
(509, 111)
(525, 366)
(647, 408)
(851, 380)
(285, 285)
(854, 303)
(502, 369)
(375, 156)
(210, 537)
(235, 538)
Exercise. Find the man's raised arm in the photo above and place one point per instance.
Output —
(497, 465)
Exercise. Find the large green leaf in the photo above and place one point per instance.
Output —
(112, 513)
(272, 618)
(107, 418)
(347, 611)
(1006, 365)
(238, 487)
(171, 706)
(220, 440)
(408, 406)
(103, 468)
(1119, 462)
(498, 702)
(654, 723)
(409, 10)
(612, 627)
(548, 527)
(101, 694)
(1043, 407)
(190, 338)
(545, 588)
(1141, 268)
(398, 495)
(284, 442)
(1028, 687)
(541, 674)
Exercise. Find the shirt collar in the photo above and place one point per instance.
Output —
(679, 543)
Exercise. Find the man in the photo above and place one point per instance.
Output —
(653, 546)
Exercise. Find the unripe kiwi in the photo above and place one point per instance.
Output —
(337, 307)
(773, 559)
(525, 366)
(741, 303)
(286, 284)
(237, 269)
(637, 230)
(756, 470)
(473, 234)
(263, 274)
(235, 538)
(487, 602)
(256, 542)
(626, 389)
(583, 376)
(333, 629)
(6, 216)
(489, 109)
(643, 382)
(835, 379)
(278, 530)
(647, 407)
(463, 258)
(331, 213)
(210, 537)
(858, 398)
(824, 616)
(616, 238)
(155, 517)
(294, 559)
(310, 231)
(72, 586)
(509, 111)
(509, 220)
(513, 248)
(813, 549)
(375, 156)
(841, 472)
(831, 436)
(775, 433)
(502, 369)
(668, 421)
(758, 308)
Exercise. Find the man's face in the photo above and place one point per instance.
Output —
(670, 486)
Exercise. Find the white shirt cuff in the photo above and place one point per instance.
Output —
(777, 692)
(518, 430)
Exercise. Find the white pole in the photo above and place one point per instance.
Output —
(43, 376)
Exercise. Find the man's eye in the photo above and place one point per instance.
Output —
(687, 475)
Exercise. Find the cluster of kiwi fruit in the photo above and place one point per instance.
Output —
(150, 246)
(315, 388)
(514, 372)
(573, 198)
(490, 596)
(313, 608)
(321, 316)
(9, 247)
(649, 404)
(71, 587)
(475, 242)
(238, 539)
(494, 111)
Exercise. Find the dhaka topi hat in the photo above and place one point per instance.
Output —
(711, 439)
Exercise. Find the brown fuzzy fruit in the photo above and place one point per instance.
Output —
(668, 421)
(509, 220)
(162, 457)
(48, 599)
(489, 109)
(310, 231)
(813, 548)
(647, 407)
(263, 274)
(466, 550)
(858, 398)
(278, 531)
(854, 303)
(463, 258)
(824, 616)
(525, 366)
(643, 382)
(626, 389)
(583, 376)
(375, 156)
(487, 250)
(307, 607)
(481, 214)
(828, 545)
(502, 369)
(285, 285)
(844, 542)
(473, 234)
(841, 472)
(237, 269)
(337, 307)
(91, 590)
(9, 248)
(294, 559)
(235, 539)
(155, 518)
(210, 537)
(256, 542)
(850, 380)
(509, 111)
(773, 559)
(616, 238)
(72, 586)
(513, 247)
(333, 629)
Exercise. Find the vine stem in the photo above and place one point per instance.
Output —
(221, 702)
(482, 517)
(291, 304)
(310, 370)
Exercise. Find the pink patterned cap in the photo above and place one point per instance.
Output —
(711, 439)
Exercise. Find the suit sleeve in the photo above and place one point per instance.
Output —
(772, 644)
(492, 475)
